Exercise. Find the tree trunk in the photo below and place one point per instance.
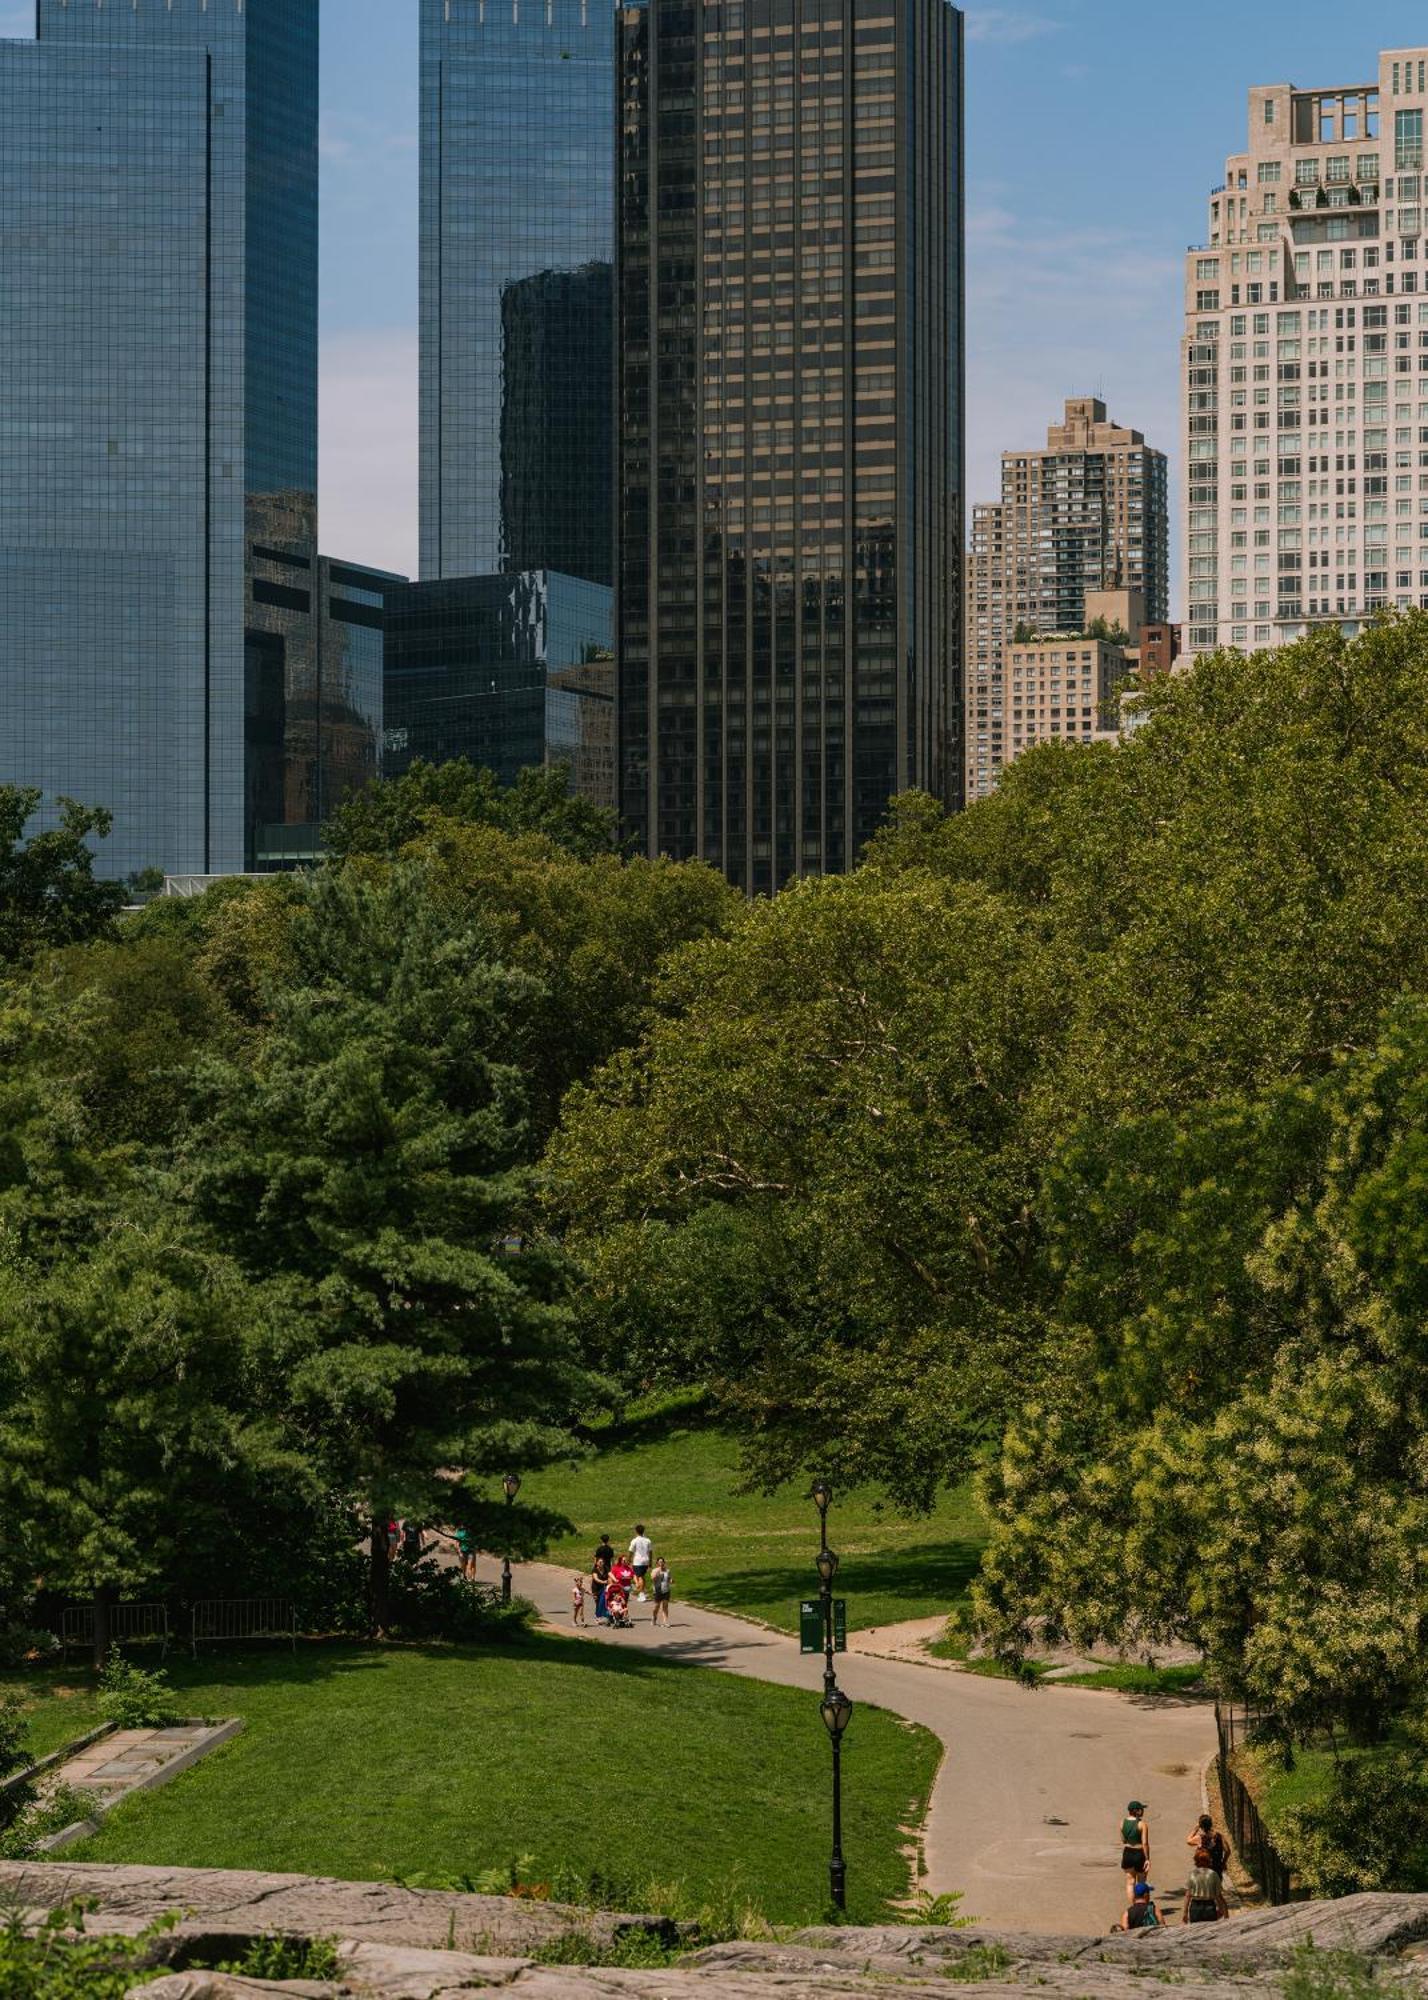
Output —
(381, 1577)
(103, 1601)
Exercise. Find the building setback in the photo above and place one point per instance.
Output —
(1305, 366)
(1090, 513)
(509, 672)
(517, 243)
(158, 435)
(789, 322)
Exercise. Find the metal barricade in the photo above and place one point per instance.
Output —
(230, 1620)
(129, 1625)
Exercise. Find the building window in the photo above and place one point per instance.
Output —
(1408, 139)
(1268, 169)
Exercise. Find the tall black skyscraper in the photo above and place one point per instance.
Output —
(517, 241)
(789, 322)
(158, 448)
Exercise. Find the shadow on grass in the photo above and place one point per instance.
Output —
(938, 1570)
(654, 1421)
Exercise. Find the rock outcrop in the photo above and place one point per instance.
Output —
(412, 1944)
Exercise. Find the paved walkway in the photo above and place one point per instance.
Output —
(1028, 1802)
(129, 1759)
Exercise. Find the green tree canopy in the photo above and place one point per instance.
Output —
(368, 1174)
(122, 1405)
(48, 892)
(386, 815)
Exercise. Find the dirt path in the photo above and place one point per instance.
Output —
(1029, 1799)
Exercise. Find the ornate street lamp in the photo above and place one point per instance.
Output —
(837, 1712)
(512, 1484)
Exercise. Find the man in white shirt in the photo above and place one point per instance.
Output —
(641, 1556)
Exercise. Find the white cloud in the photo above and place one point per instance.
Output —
(1007, 24)
(368, 493)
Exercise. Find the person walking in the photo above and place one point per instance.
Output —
(577, 1598)
(1204, 1892)
(1135, 1847)
(606, 1553)
(599, 1584)
(661, 1584)
(641, 1555)
(1205, 1834)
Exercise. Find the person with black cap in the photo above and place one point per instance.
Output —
(1135, 1847)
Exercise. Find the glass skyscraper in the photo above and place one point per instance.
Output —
(158, 421)
(517, 241)
(789, 320)
(508, 671)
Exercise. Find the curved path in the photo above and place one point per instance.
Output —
(1029, 1798)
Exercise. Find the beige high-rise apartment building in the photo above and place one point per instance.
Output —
(1087, 514)
(1306, 366)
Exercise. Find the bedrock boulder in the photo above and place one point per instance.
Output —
(413, 1944)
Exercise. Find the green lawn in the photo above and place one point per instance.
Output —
(754, 1555)
(436, 1763)
(60, 1705)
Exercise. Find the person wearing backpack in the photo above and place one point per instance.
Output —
(1135, 1847)
(1140, 1913)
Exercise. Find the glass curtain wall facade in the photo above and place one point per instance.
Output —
(158, 435)
(789, 320)
(507, 671)
(517, 232)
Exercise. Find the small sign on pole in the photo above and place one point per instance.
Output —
(810, 1625)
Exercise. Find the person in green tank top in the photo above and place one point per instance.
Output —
(1135, 1846)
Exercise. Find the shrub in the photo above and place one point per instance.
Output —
(132, 1698)
(281, 1958)
(20, 1645)
(59, 1962)
(429, 1602)
(629, 1948)
(43, 1814)
(1370, 1832)
(1332, 1975)
(14, 1757)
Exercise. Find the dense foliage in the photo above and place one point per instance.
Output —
(267, 1274)
(1081, 1135)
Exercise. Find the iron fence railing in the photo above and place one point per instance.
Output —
(1249, 1836)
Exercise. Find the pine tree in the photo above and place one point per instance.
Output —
(368, 1173)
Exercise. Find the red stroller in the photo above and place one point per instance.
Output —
(617, 1606)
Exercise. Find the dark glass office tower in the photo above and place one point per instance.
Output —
(517, 239)
(158, 419)
(507, 671)
(789, 320)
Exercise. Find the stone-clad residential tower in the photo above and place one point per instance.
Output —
(789, 320)
(1088, 513)
(158, 420)
(1306, 366)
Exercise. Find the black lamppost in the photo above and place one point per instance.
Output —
(835, 1708)
(512, 1484)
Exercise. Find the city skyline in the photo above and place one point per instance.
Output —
(1051, 197)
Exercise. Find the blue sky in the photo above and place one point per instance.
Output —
(1095, 130)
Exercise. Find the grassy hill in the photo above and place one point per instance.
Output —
(751, 1554)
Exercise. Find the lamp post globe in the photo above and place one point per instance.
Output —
(827, 1561)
